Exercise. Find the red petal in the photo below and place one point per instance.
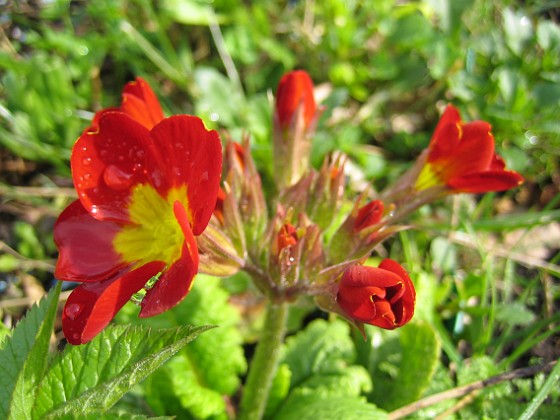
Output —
(176, 281)
(482, 182)
(497, 164)
(409, 297)
(106, 164)
(295, 89)
(141, 103)
(188, 154)
(85, 246)
(445, 136)
(92, 306)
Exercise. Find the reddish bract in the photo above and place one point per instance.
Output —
(295, 92)
(146, 185)
(461, 156)
(382, 296)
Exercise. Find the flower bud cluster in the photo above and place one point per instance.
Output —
(302, 242)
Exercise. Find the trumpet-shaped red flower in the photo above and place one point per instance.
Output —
(147, 186)
(382, 296)
(295, 94)
(461, 157)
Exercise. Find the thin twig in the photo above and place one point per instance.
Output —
(224, 54)
(46, 192)
(24, 262)
(463, 402)
(28, 301)
(527, 261)
(467, 389)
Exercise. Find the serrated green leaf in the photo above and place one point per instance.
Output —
(304, 405)
(209, 367)
(321, 348)
(174, 389)
(279, 389)
(110, 415)
(96, 375)
(23, 358)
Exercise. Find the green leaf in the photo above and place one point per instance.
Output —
(420, 354)
(279, 389)
(209, 368)
(304, 405)
(23, 358)
(403, 369)
(96, 375)
(320, 362)
(321, 348)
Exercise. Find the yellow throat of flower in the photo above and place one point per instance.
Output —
(155, 235)
(428, 178)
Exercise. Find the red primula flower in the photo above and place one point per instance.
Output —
(461, 157)
(295, 90)
(147, 186)
(382, 296)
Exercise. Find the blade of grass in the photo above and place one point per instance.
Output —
(550, 383)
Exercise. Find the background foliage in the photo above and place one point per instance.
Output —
(486, 268)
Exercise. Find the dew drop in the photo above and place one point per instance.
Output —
(120, 158)
(73, 310)
(87, 176)
(94, 210)
(116, 178)
(75, 336)
(86, 161)
(204, 176)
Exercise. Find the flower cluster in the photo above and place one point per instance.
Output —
(154, 209)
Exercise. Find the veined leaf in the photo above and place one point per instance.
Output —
(310, 406)
(321, 348)
(404, 364)
(23, 358)
(197, 380)
(96, 375)
(325, 384)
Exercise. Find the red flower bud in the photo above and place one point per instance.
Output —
(294, 90)
(287, 236)
(368, 215)
(382, 296)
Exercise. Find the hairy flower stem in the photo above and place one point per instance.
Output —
(265, 362)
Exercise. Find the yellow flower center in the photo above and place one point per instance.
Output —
(155, 235)
(428, 178)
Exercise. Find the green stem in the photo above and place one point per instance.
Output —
(265, 362)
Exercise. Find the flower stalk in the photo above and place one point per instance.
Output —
(265, 362)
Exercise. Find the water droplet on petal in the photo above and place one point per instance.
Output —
(94, 210)
(73, 310)
(87, 176)
(120, 158)
(116, 178)
(86, 161)
(75, 336)
(204, 176)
